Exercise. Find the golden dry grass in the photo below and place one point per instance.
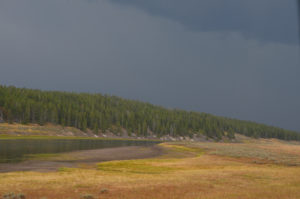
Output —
(185, 172)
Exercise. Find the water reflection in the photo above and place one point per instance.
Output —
(17, 150)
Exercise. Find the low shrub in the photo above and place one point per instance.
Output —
(87, 196)
(103, 191)
(13, 196)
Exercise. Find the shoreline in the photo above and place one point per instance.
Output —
(83, 158)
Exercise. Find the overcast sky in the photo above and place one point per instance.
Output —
(234, 58)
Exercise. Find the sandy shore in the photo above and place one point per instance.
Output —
(86, 158)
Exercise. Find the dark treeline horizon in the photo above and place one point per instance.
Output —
(101, 113)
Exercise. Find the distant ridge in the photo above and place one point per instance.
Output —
(101, 113)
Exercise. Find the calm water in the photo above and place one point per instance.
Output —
(17, 150)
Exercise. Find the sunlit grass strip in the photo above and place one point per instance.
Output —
(181, 148)
(48, 131)
(148, 166)
(13, 137)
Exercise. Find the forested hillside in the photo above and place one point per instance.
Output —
(102, 112)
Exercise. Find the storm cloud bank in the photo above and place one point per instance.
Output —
(163, 53)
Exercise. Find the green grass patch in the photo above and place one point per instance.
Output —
(136, 166)
(181, 148)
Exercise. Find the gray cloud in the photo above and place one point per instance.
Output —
(98, 46)
(266, 20)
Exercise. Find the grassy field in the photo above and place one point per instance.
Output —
(251, 169)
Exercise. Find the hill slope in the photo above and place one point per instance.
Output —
(102, 112)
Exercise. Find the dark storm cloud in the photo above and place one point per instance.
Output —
(266, 20)
(298, 4)
(100, 46)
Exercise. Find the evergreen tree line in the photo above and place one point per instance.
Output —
(102, 112)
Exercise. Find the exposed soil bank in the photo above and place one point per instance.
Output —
(86, 158)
